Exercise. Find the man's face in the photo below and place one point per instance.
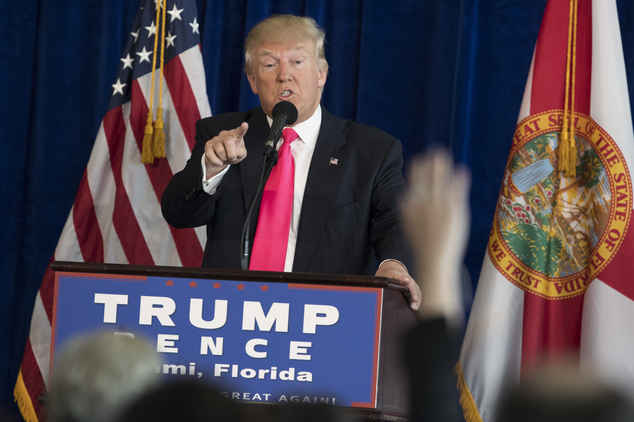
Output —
(287, 72)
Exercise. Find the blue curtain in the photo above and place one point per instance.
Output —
(449, 72)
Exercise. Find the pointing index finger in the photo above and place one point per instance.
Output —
(241, 130)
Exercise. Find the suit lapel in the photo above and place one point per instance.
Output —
(321, 186)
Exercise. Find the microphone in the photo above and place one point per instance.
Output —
(284, 114)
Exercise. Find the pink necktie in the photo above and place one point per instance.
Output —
(274, 222)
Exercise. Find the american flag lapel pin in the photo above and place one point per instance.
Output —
(333, 161)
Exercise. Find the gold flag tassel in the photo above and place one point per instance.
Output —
(147, 155)
(567, 143)
(159, 134)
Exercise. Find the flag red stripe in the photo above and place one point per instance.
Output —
(183, 98)
(123, 218)
(86, 224)
(618, 274)
(138, 114)
(47, 291)
(552, 328)
(583, 73)
(160, 173)
(188, 247)
(32, 378)
(549, 71)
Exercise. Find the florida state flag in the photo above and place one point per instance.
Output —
(557, 278)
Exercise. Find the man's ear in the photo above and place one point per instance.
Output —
(321, 78)
(251, 79)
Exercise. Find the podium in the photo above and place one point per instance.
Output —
(262, 337)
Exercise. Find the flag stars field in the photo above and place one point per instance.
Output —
(127, 61)
(144, 55)
(194, 26)
(175, 13)
(170, 39)
(118, 87)
(151, 29)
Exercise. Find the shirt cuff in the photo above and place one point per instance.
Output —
(395, 260)
(210, 185)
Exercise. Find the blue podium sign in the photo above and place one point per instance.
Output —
(262, 342)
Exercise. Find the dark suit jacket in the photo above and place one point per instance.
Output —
(349, 214)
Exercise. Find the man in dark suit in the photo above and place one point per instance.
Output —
(347, 179)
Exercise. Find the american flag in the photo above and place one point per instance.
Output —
(116, 216)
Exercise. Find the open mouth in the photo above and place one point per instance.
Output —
(287, 93)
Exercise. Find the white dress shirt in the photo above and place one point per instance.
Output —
(302, 150)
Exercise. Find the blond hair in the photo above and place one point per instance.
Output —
(285, 28)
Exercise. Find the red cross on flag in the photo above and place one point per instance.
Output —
(555, 282)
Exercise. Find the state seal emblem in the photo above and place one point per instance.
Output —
(553, 234)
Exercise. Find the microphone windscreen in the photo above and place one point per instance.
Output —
(287, 108)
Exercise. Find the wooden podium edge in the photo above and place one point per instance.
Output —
(214, 273)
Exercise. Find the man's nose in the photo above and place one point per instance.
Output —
(284, 73)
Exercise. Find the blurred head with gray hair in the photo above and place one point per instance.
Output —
(96, 376)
